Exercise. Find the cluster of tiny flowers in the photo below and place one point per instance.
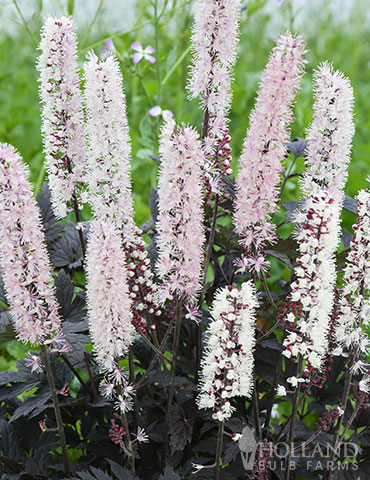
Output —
(264, 147)
(219, 162)
(108, 300)
(62, 115)
(329, 145)
(355, 302)
(109, 144)
(328, 418)
(315, 278)
(330, 134)
(25, 265)
(116, 432)
(361, 397)
(227, 363)
(262, 461)
(214, 39)
(180, 229)
(109, 176)
(142, 288)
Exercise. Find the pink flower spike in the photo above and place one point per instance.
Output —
(155, 111)
(180, 219)
(25, 264)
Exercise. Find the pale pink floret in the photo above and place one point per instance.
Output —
(214, 38)
(62, 115)
(108, 301)
(25, 265)
(180, 237)
(265, 143)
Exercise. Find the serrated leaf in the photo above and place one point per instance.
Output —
(76, 342)
(350, 204)
(231, 451)
(52, 229)
(66, 251)
(17, 389)
(297, 147)
(169, 474)
(346, 237)
(7, 332)
(71, 307)
(228, 185)
(9, 445)
(120, 472)
(180, 434)
(28, 406)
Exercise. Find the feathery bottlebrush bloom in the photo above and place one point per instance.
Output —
(25, 265)
(330, 134)
(227, 363)
(109, 149)
(109, 174)
(62, 115)
(313, 288)
(354, 306)
(214, 39)
(264, 147)
(329, 145)
(108, 300)
(181, 236)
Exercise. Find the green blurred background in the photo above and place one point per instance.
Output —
(335, 30)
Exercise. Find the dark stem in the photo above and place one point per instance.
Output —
(93, 386)
(256, 409)
(75, 372)
(171, 387)
(343, 405)
(132, 381)
(156, 357)
(293, 419)
(128, 442)
(274, 385)
(203, 292)
(348, 426)
(58, 414)
(77, 212)
(220, 438)
(305, 393)
(156, 349)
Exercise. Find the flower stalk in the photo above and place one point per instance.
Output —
(58, 414)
